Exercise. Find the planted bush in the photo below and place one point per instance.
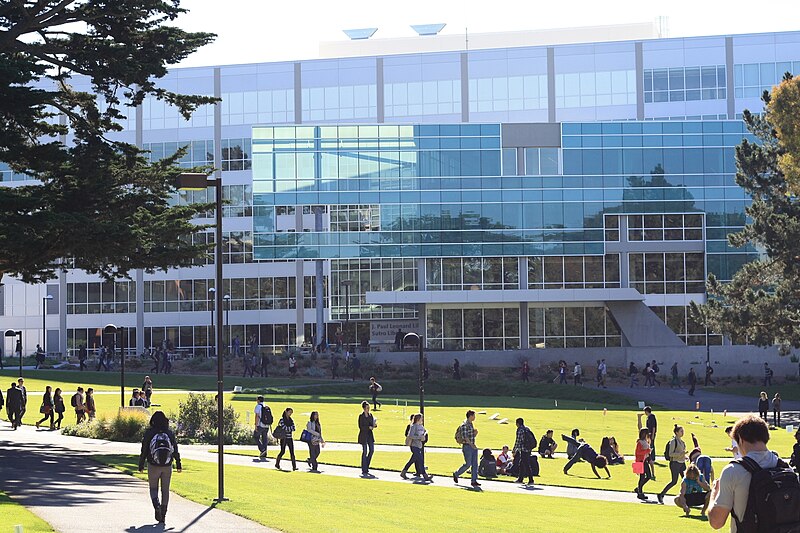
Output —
(197, 421)
(125, 426)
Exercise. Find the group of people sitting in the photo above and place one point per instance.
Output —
(577, 450)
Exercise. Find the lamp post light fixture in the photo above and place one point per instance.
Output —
(198, 182)
(413, 335)
(111, 329)
(227, 299)
(44, 322)
(18, 334)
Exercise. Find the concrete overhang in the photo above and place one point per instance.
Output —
(531, 296)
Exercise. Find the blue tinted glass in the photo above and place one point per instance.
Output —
(490, 129)
(490, 162)
(572, 162)
(568, 128)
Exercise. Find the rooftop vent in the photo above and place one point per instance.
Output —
(427, 29)
(360, 34)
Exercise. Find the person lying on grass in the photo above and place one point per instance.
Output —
(585, 452)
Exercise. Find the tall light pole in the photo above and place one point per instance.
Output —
(412, 335)
(44, 322)
(18, 334)
(346, 283)
(111, 329)
(211, 297)
(196, 181)
(227, 299)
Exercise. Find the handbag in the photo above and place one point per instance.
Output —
(306, 436)
(638, 467)
(279, 432)
(408, 441)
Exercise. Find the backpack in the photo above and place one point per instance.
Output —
(74, 400)
(459, 437)
(529, 439)
(666, 449)
(655, 368)
(266, 415)
(773, 501)
(161, 449)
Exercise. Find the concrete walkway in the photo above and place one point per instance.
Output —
(45, 448)
(53, 477)
(679, 399)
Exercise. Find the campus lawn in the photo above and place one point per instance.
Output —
(299, 502)
(443, 465)
(14, 514)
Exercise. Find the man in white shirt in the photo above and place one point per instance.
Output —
(733, 486)
(577, 372)
(734, 447)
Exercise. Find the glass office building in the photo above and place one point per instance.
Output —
(560, 197)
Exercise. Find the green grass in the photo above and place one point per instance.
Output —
(788, 391)
(300, 502)
(14, 514)
(444, 464)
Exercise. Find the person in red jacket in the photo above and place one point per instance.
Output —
(643, 456)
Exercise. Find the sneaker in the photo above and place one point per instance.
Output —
(641, 496)
(403, 475)
(519, 480)
(158, 514)
(455, 478)
(263, 455)
(476, 484)
(660, 498)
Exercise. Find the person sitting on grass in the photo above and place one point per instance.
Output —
(488, 465)
(571, 448)
(794, 460)
(587, 453)
(608, 450)
(695, 491)
(547, 446)
(504, 462)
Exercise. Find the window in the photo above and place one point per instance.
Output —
(680, 84)
(415, 98)
(473, 328)
(513, 93)
(667, 273)
(542, 162)
(574, 272)
(355, 218)
(101, 297)
(670, 227)
(751, 79)
(602, 88)
(572, 327)
(472, 273)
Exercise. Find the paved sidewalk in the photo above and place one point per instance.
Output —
(51, 446)
(53, 477)
(679, 399)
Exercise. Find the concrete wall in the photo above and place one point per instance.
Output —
(728, 361)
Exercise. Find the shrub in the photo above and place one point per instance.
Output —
(197, 421)
(126, 426)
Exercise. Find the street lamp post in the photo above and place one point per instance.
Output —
(227, 299)
(346, 283)
(197, 181)
(18, 334)
(111, 329)
(412, 335)
(211, 297)
(44, 322)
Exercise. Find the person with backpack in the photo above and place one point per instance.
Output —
(768, 373)
(417, 436)
(524, 444)
(91, 408)
(577, 373)
(159, 450)
(654, 370)
(77, 403)
(366, 425)
(147, 390)
(709, 373)
(47, 408)
(692, 378)
(82, 356)
(465, 436)
(284, 434)
(14, 406)
(760, 491)
(314, 428)
(411, 462)
(263, 424)
(58, 407)
(675, 453)
(763, 405)
(24, 392)
(374, 389)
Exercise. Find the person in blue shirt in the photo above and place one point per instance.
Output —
(695, 491)
(703, 462)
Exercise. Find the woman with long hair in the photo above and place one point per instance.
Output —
(58, 407)
(313, 426)
(47, 408)
(285, 429)
(417, 436)
(159, 450)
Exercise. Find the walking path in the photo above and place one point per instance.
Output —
(53, 477)
(679, 399)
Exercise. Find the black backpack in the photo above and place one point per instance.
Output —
(666, 450)
(266, 415)
(529, 439)
(74, 400)
(773, 501)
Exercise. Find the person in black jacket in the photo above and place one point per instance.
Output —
(58, 407)
(159, 450)
(14, 406)
(366, 425)
(24, 401)
(47, 408)
(287, 425)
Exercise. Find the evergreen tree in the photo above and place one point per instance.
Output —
(761, 304)
(96, 201)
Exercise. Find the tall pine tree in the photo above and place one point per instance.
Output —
(96, 201)
(761, 304)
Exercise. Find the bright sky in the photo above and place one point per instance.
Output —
(250, 31)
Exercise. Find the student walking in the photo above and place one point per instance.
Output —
(562, 372)
(411, 462)
(284, 434)
(465, 436)
(292, 366)
(366, 425)
(577, 372)
(676, 380)
(523, 446)
(355, 365)
(82, 356)
(417, 436)
(776, 410)
(652, 427)
(159, 450)
(526, 372)
(374, 389)
(768, 373)
(315, 429)
(14, 406)
(709, 373)
(77, 403)
(47, 408)
(642, 455)
(456, 369)
(763, 406)
(24, 401)
(264, 373)
(263, 424)
(91, 409)
(692, 378)
(58, 407)
(676, 452)
(147, 390)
